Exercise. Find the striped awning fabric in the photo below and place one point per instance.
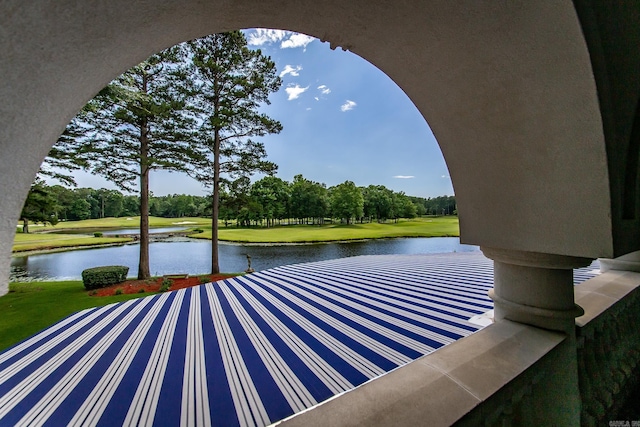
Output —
(245, 351)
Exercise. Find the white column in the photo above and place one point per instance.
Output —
(537, 289)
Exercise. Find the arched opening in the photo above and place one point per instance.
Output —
(516, 115)
(517, 125)
(385, 145)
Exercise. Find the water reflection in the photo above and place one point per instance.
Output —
(194, 256)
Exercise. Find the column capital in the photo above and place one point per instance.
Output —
(535, 259)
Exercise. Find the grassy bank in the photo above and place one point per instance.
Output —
(41, 238)
(44, 241)
(124, 222)
(30, 307)
(421, 227)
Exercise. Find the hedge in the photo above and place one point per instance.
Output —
(101, 277)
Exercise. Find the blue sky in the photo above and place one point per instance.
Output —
(343, 119)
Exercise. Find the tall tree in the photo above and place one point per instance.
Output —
(40, 206)
(378, 202)
(63, 157)
(273, 195)
(232, 81)
(309, 199)
(234, 198)
(402, 206)
(346, 201)
(64, 198)
(140, 122)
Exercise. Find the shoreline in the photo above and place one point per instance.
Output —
(66, 249)
(321, 242)
(222, 242)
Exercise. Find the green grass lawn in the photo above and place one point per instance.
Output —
(30, 307)
(421, 227)
(125, 222)
(40, 241)
(37, 240)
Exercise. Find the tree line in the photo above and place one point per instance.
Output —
(441, 205)
(263, 203)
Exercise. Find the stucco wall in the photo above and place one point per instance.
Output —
(506, 87)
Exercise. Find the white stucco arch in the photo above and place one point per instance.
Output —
(507, 89)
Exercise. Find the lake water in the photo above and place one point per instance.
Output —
(194, 256)
(136, 230)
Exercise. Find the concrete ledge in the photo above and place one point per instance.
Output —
(442, 387)
(628, 262)
(600, 293)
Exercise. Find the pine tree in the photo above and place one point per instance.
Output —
(232, 81)
(63, 157)
(140, 122)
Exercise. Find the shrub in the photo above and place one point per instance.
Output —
(97, 234)
(198, 230)
(204, 279)
(101, 277)
(141, 291)
(166, 284)
(118, 292)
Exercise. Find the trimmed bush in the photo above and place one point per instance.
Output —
(97, 234)
(101, 277)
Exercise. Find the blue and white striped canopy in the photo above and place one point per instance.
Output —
(245, 351)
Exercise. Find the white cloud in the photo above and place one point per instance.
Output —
(287, 39)
(261, 36)
(404, 176)
(297, 40)
(324, 89)
(288, 69)
(444, 176)
(349, 105)
(316, 98)
(294, 91)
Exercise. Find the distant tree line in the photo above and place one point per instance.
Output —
(266, 202)
(58, 203)
(441, 205)
(86, 203)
